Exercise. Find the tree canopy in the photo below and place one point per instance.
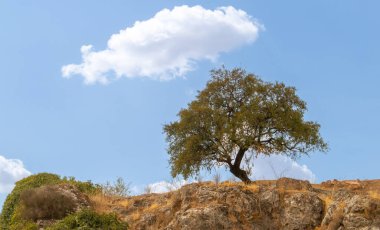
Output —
(235, 118)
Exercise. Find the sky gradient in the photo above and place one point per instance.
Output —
(101, 130)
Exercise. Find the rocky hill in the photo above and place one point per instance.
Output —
(278, 204)
(282, 204)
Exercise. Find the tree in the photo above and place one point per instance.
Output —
(236, 117)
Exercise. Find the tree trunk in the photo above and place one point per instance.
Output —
(236, 170)
(241, 174)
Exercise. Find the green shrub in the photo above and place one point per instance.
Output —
(86, 187)
(24, 225)
(12, 201)
(89, 220)
(12, 217)
(45, 203)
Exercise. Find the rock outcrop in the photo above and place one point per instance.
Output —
(282, 204)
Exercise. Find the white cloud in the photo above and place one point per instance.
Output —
(167, 45)
(165, 186)
(160, 186)
(276, 166)
(11, 170)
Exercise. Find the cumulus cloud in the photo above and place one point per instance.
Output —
(276, 166)
(167, 45)
(11, 170)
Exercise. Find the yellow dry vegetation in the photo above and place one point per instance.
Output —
(327, 200)
(152, 208)
(252, 187)
(124, 203)
(135, 216)
(228, 183)
(374, 194)
(101, 203)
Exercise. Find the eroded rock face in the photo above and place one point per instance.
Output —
(302, 211)
(357, 212)
(213, 217)
(361, 212)
(283, 204)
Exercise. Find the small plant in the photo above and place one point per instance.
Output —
(118, 188)
(216, 178)
(148, 189)
(199, 178)
(232, 179)
(89, 220)
(278, 174)
(174, 184)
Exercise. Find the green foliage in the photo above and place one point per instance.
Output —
(9, 208)
(86, 187)
(89, 220)
(236, 117)
(12, 217)
(24, 225)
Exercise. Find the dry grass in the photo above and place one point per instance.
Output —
(230, 184)
(374, 194)
(327, 200)
(101, 203)
(152, 208)
(252, 187)
(125, 203)
(135, 216)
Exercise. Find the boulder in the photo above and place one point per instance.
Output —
(302, 211)
(362, 212)
(293, 184)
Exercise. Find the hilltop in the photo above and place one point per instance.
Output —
(272, 204)
(282, 204)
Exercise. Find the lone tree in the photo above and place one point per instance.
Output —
(236, 117)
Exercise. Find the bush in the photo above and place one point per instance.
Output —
(118, 188)
(86, 187)
(13, 215)
(12, 201)
(45, 203)
(24, 225)
(90, 220)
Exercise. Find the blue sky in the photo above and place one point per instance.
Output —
(329, 51)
